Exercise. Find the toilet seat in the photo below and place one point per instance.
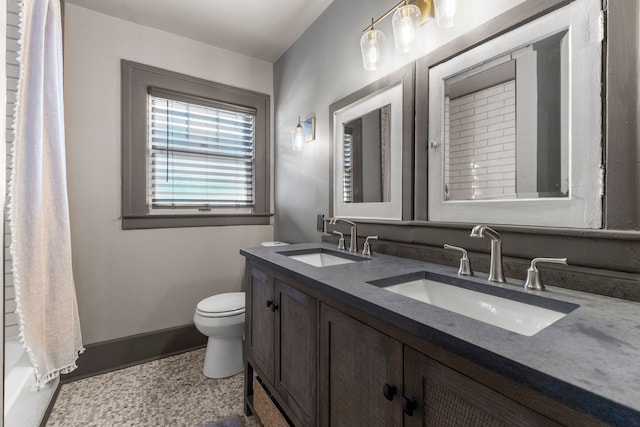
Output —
(275, 243)
(222, 305)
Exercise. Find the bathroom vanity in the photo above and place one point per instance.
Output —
(334, 347)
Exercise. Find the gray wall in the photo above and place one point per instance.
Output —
(321, 67)
(324, 65)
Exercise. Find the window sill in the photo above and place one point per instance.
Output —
(180, 221)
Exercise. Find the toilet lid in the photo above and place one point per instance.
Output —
(273, 243)
(226, 304)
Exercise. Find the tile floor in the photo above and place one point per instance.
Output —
(166, 392)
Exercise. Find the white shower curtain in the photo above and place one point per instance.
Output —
(38, 210)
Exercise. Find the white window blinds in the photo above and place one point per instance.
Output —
(347, 183)
(201, 153)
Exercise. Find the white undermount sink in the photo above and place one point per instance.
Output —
(321, 257)
(522, 317)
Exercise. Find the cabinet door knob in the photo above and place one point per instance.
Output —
(408, 405)
(274, 306)
(389, 391)
(269, 303)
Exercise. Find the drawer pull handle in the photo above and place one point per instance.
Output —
(269, 303)
(408, 405)
(389, 391)
(274, 307)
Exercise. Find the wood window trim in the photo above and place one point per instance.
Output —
(136, 78)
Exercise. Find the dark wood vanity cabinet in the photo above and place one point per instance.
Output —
(328, 368)
(369, 378)
(360, 373)
(260, 322)
(439, 396)
(281, 342)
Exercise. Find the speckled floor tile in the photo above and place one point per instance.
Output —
(166, 392)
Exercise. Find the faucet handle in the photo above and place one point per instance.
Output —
(465, 266)
(341, 240)
(366, 250)
(533, 281)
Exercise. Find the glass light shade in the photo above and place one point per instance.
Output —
(405, 21)
(372, 46)
(297, 137)
(445, 12)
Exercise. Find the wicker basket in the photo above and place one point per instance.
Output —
(264, 408)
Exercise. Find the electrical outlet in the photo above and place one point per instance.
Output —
(320, 223)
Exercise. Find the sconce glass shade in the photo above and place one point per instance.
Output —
(445, 12)
(297, 137)
(405, 21)
(372, 46)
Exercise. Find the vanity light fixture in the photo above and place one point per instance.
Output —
(305, 131)
(407, 16)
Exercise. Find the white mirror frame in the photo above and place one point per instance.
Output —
(370, 210)
(583, 207)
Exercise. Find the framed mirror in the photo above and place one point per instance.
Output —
(515, 126)
(372, 130)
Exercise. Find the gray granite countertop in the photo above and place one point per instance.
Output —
(589, 360)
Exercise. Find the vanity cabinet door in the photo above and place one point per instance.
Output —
(442, 396)
(281, 343)
(360, 373)
(296, 350)
(260, 322)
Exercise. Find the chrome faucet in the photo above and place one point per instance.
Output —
(533, 281)
(353, 243)
(340, 241)
(465, 266)
(495, 269)
(366, 249)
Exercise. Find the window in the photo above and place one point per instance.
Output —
(195, 153)
(347, 148)
(201, 157)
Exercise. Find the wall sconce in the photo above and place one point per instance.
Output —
(406, 18)
(304, 132)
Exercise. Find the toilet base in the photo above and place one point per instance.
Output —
(223, 357)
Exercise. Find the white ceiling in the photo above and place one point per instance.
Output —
(262, 29)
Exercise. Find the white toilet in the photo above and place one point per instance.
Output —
(221, 318)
